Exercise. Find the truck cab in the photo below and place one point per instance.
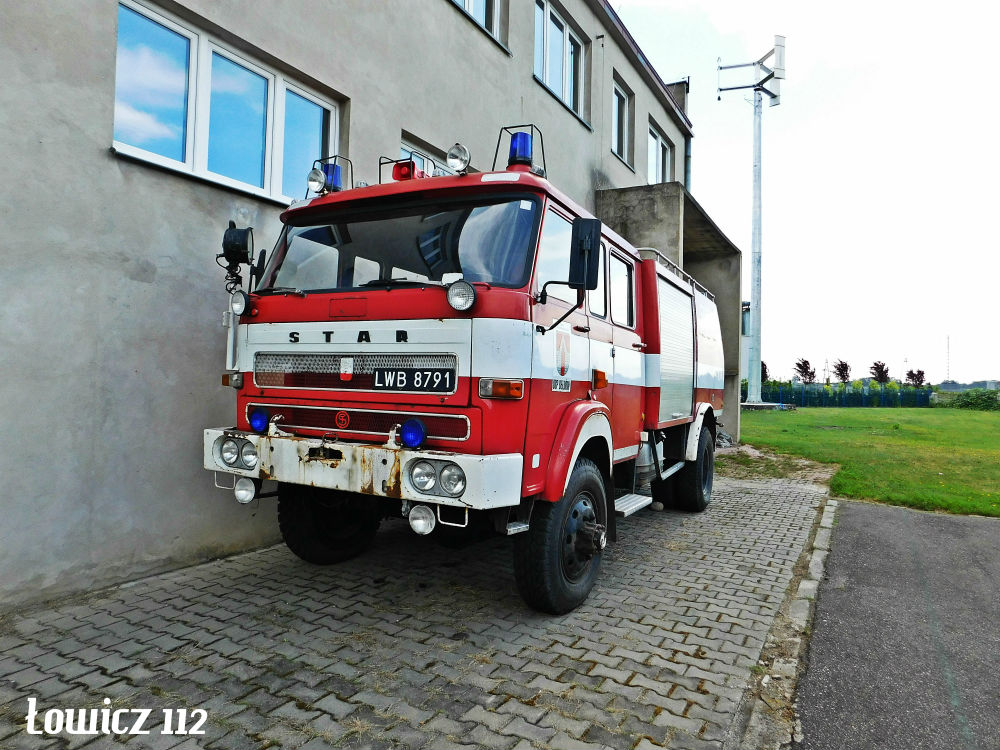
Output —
(467, 352)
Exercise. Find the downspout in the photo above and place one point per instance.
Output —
(687, 163)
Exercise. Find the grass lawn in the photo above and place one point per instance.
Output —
(934, 459)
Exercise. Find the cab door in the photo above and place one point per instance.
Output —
(626, 420)
(602, 361)
(560, 368)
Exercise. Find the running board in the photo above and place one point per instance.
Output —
(626, 505)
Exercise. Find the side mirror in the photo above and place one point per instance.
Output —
(258, 270)
(584, 255)
(237, 245)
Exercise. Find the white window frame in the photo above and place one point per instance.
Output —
(664, 171)
(494, 20)
(200, 50)
(568, 34)
(627, 124)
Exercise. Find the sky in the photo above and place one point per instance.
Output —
(880, 170)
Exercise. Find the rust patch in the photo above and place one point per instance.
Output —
(393, 486)
(367, 473)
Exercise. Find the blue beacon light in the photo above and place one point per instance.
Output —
(258, 420)
(412, 433)
(334, 177)
(520, 149)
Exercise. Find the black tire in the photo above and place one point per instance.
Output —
(325, 526)
(693, 485)
(552, 575)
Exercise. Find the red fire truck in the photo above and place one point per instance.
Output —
(470, 351)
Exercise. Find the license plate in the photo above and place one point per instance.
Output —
(430, 380)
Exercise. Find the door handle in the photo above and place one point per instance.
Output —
(582, 329)
(639, 346)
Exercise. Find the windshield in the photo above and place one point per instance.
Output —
(489, 240)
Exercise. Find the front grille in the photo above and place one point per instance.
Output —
(363, 421)
(323, 371)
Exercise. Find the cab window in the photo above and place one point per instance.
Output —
(622, 287)
(553, 256)
(598, 303)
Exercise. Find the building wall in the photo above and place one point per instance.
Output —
(112, 343)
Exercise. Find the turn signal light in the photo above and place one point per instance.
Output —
(600, 379)
(495, 388)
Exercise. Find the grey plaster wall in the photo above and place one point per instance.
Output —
(647, 216)
(111, 340)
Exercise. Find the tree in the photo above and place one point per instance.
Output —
(915, 378)
(880, 373)
(842, 370)
(765, 375)
(805, 372)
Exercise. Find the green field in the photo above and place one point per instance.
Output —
(934, 459)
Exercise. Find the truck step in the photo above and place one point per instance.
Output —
(517, 527)
(626, 505)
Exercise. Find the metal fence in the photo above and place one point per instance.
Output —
(798, 394)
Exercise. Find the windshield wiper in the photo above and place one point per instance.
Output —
(281, 290)
(401, 282)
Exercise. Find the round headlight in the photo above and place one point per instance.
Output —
(230, 451)
(244, 490)
(422, 519)
(248, 455)
(423, 476)
(461, 295)
(453, 479)
(316, 180)
(458, 157)
(239, 303)
(412, 433)
(258, 420)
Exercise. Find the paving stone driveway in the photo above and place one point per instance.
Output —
(416, 645)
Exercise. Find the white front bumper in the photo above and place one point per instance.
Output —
(379, 470)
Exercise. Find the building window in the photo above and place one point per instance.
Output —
(622, 292)
(186, 102)
(430, 165)
(485, 12)
(558, 56)
(621, 118)
(659, 158)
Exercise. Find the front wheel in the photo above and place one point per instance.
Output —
(325, 526)
(557, 559)
(693, 486)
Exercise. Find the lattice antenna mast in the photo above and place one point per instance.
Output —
(766, 80)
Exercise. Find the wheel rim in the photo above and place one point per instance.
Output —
(707, 466)
(575, 564)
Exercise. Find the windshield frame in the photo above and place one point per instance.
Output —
(361, 211)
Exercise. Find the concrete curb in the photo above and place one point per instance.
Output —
(773, 721)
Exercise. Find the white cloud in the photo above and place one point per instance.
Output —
(147, 77)
(233, 80)
(138, 128)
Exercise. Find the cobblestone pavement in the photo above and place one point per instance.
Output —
(415, 645)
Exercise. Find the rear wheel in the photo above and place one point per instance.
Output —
(557, 560)
(693, 485)
(325, 526)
